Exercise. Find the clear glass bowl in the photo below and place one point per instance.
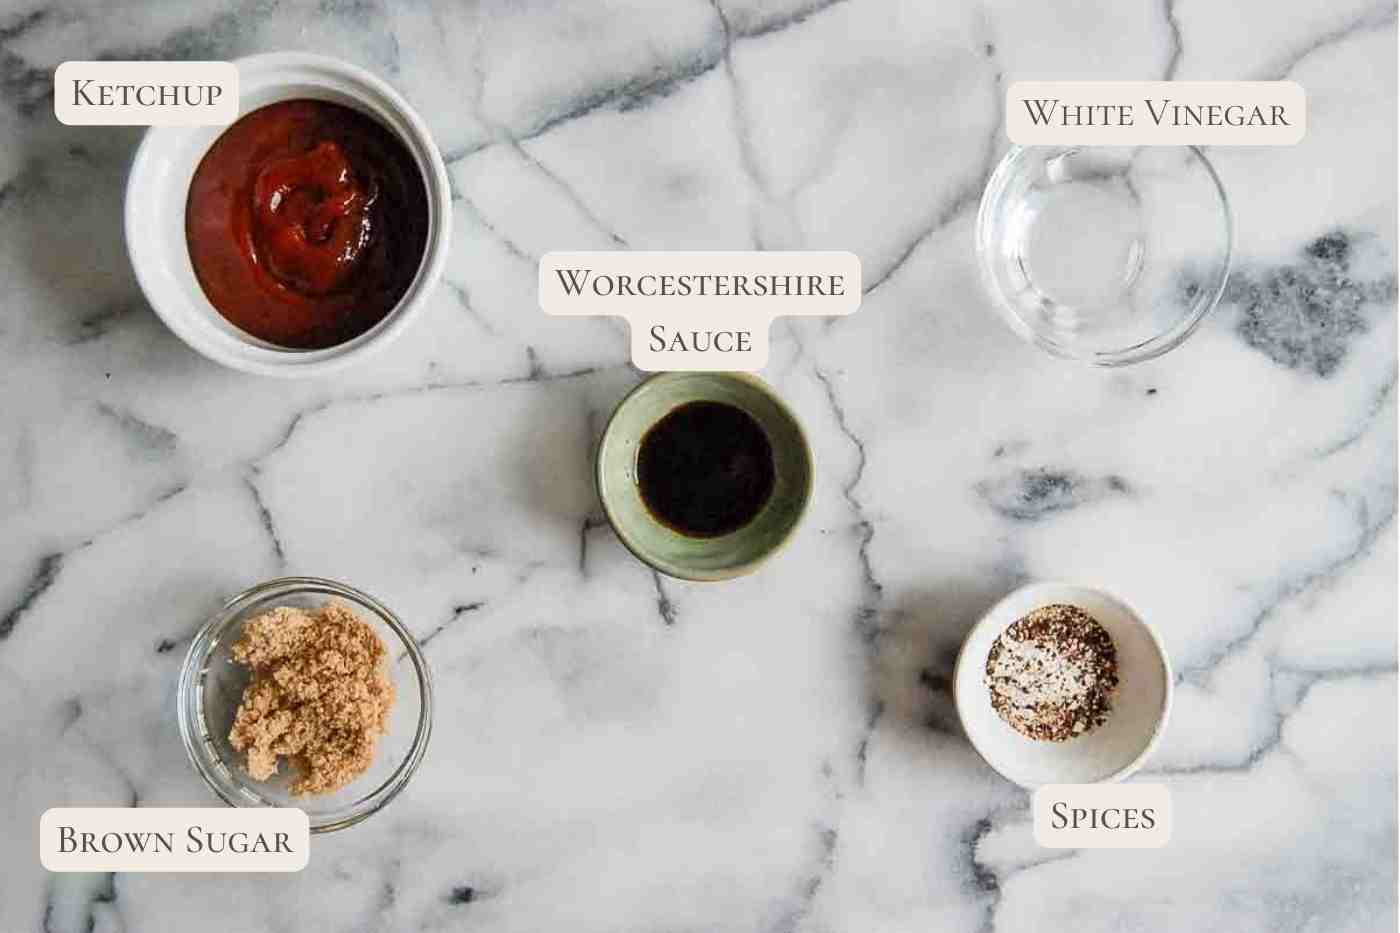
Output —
(211, 686)
(1111, 255)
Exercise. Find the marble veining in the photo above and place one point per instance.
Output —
(618, 751)
(1028, 495)
(1306, 314)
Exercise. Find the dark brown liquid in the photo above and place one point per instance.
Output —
(705, 469)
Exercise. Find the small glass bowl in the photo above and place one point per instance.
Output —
(211, 687)
(1106, 254)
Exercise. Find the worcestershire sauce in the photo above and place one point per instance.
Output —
(705, 469)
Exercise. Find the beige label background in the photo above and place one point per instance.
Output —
(1144, 132)
(732, 312)
(221, 74)
(176, 820)
(1139, 797)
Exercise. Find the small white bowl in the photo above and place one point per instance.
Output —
(1111, 752)
(158, 186)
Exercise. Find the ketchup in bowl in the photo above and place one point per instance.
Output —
(306, 223)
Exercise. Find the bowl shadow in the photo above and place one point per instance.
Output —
(557, 442)
(917, 649)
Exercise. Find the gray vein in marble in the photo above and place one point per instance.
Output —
(22, 24)
(1009, 447)
(95, 889)
(1049, 857)
(985, 884)
(1382, 400)
(1368, 532)
(792, 919)
(29, 87)
(1174, 27)
(501, 133)
(293, 424)
(1244, 765)
(39, 582)
(101, 322)
(388, 895)
(515, 249)
(753, 29)
(867, 613)
(24, 467)
(368, 17)
(29, 179)
(1312, 676)
(587, 525)
(632, 93)
(423, 388)
(872, 719)
(457, 612)
(1031, 495)
(966, 196)
(451, 155)
(151, 438)
(71, 725)
(74, 713)
(265, 519)
(220, 38)
(748, 158)
(570, 193)
(637, 91)
(989, 882)
(1383, 15)
(534, 368)
(169, 644)
(1273, 739)
(49, 565)
(463, 296)
(1306, 315)
(665, 608)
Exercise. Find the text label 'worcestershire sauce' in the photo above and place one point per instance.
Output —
(306, 223)
(706, 469)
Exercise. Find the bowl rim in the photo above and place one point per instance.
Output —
(190, 701)
(680, 571)
(994, 613)
(244, 352)
(1142, 351)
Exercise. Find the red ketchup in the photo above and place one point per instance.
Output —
(306, 223)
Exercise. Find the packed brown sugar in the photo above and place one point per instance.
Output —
(319, 697)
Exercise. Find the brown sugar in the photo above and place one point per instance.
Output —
(320, 695)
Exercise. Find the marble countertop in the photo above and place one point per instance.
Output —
(619, 752)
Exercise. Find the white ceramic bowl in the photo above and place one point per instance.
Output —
(1109, 753)
(157, 188)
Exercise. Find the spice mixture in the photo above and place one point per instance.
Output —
(1053, 673)
(320, 695)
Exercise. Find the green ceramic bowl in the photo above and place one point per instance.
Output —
(661, 547)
